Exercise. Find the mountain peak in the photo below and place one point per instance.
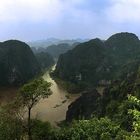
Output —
(123, 35)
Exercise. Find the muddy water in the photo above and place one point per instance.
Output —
(53, 109)
(7, 94)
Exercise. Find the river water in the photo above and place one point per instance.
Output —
(53, 108)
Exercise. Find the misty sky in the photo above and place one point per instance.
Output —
(40, 19)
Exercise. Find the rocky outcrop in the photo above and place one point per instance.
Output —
(17, 63)
(84, 106)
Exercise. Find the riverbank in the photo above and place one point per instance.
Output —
(54, 108)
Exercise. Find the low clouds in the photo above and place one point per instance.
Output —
(124, 11)
(38, 19)
(37, 10)
(29, 10)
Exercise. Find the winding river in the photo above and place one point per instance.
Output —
(53, 108)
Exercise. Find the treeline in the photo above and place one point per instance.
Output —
(13, 126)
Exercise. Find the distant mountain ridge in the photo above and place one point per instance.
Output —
(45, 60)
(55, 50)
(53, 41)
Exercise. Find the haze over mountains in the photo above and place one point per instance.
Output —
(105, 72)
(53, 46)
(70, 70)
(53, 41)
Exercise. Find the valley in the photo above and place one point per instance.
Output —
(70, 70)
(52, 109)
(92, 92)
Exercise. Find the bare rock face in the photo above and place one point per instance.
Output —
(17, 63)
(84, 106)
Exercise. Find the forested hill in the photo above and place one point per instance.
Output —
(45, 60)
(124, 70)
(99, 62)
(55, 50)
(112, 103)
(17, 63)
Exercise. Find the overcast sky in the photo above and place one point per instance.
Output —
(40, 19)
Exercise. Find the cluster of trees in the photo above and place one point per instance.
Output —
(14, 126)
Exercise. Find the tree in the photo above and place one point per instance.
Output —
(30, 95)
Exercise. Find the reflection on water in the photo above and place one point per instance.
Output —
(53, 109)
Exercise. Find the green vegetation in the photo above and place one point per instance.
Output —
(98, 62)
(94, 129)
(45, 60)
(13, 127)
(92, 103)
(30, 94)
(112, 114)
(120, 120)
(13, 123)
(17, 63)
(55, 50)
